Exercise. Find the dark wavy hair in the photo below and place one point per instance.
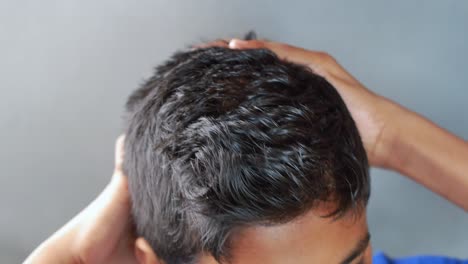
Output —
(218, 139)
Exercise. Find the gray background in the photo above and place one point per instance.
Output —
(66, 68)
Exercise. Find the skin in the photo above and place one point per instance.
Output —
(101, 233)
(309, 239)
(394, 138)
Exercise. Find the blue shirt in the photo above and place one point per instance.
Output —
(381, 258)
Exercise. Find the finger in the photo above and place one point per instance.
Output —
(119, 152)
(283, 51)
(247, 44)
(216, 43)
(320, 62)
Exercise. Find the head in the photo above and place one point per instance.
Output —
(236, 156)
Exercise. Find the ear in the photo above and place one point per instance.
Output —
(144, 253)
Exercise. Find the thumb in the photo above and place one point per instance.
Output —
(107, 219)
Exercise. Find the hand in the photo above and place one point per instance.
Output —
(370, 111)
(101, 233)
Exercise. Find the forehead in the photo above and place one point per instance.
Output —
(308, 239)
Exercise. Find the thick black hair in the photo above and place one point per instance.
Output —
(220, 139)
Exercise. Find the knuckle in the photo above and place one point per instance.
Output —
(324, 55)
(326, 58)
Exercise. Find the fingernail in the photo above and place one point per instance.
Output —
(236, 43)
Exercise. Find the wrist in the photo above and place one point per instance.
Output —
(391, 136)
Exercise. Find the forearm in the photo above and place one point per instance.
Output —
(429, 155)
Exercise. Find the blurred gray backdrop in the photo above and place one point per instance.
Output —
(66, 68)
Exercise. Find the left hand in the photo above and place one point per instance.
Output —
(101, 233)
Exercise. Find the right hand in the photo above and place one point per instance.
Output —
(371, 112)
